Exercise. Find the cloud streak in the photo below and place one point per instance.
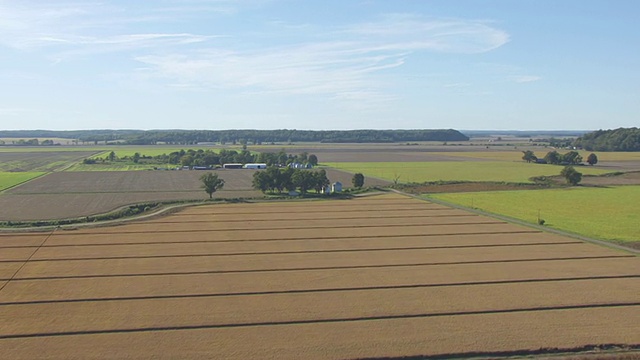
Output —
(342, 67)
(343, 62)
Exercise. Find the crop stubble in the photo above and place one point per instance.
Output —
(181, 286)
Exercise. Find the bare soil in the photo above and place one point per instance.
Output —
(382, 276)
(64, 195)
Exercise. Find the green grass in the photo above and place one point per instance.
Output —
(419, 172)
(516, 155)
(602, 213)
(10, 179)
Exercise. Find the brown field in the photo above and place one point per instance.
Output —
(40, 161)
(73, 194)
(381, 276)
(398, 152)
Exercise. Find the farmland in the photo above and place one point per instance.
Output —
(67, 194)
(456, 170)
(40, 161)
(566, 209)
(381, 276)
(10, 179)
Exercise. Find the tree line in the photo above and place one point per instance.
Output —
(622, 139)
(555, 158)
(210, 158)
(190, 137)
(29, 142)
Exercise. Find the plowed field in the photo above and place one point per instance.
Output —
(381, 276)
(74, 194)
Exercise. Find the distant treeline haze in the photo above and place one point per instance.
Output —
(190, 137)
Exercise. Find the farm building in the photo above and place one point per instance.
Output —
(232, 166)
(296, 165)
(254, 166)
(336, 187)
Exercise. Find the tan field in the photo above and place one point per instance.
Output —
(382, 276)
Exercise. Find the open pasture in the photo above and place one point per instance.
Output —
(419, 172)
(603, 213)
(380, 276)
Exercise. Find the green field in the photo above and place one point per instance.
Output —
(419, 172)
(516, 155)
(10, 179)
(602, 213)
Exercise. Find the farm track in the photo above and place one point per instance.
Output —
(383, 276)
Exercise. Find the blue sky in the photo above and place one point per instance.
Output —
(350, 64)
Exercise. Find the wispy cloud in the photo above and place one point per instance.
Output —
(79, 26)
(343, 67)
(525, 78)
(341, 62)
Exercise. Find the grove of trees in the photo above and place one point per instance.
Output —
(210, 158)
(555, 158)
(275, 179)
(622, 139)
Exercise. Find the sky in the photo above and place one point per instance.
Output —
(320, 64)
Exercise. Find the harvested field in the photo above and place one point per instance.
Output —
(75, 194)
(40, 161)
(629, 178)
(381, 276)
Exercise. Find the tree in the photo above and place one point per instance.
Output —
(303, 180)
(186, 160)
(572, 176)
(572, 157)
(320, 180)
(211, 183)
(592, 159)
(136, 157)
(112, 156)
(358, 180)
(261, 181)
(313, 160)
(529, 156)
(552, 157)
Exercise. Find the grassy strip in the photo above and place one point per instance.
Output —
(419, 172)
(11, 179)
(600, 213)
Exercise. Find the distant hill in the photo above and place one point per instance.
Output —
(622, 139)
(142, 137)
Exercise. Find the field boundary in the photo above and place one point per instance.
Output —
(24, 182)
(604, 243)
